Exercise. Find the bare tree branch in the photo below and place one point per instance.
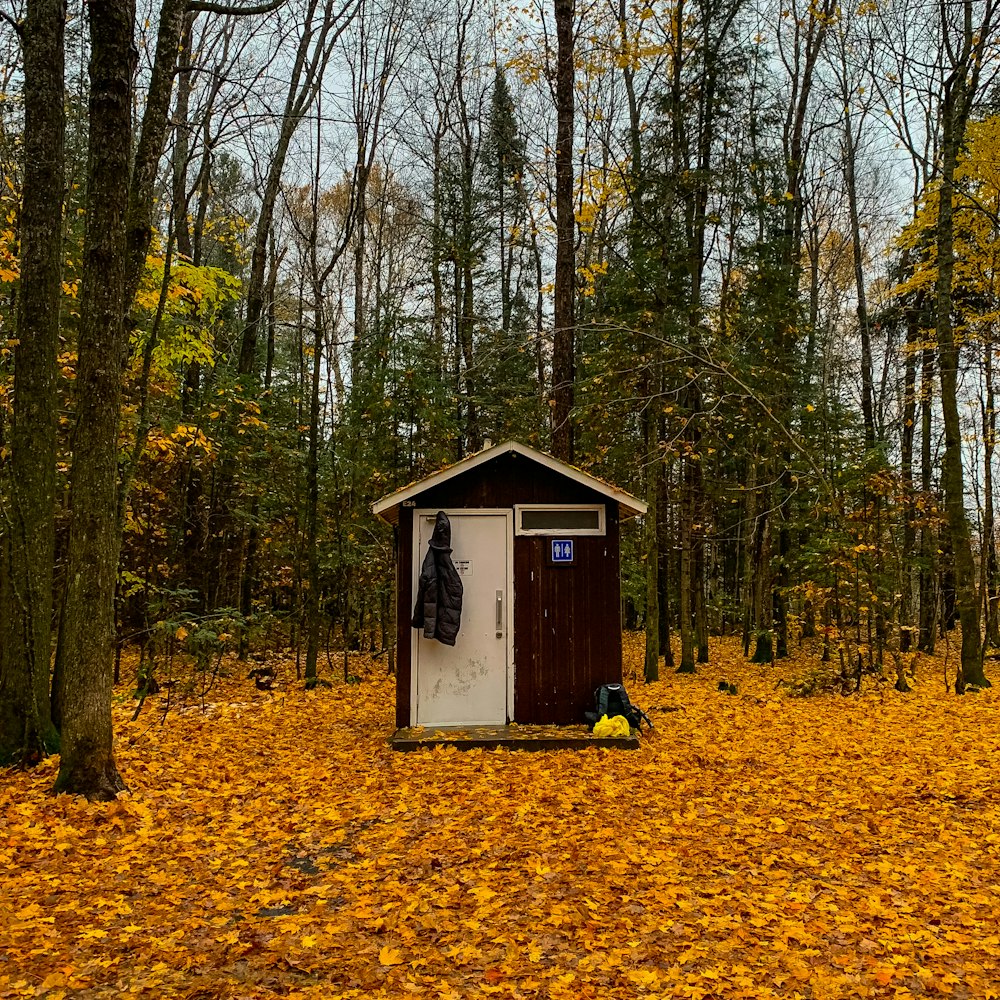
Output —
(16, 25)
(207, 7)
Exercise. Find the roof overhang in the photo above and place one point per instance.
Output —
(387, 507)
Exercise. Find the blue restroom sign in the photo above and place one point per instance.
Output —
(562, 551)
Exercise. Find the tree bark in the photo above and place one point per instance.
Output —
(88, 765)
(149, 148)
(563, 350)
(465, 252)
(651, 667)
(312, 507)
(954, 115)
(990, 568)
(182, 145)
(810, 33)
(864, 327)
(26, 729)
(686, 627)
(909, 543)
(664, 553)
(928, 534)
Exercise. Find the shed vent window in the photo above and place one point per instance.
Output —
(574, 519)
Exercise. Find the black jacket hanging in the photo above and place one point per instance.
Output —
(438, 608)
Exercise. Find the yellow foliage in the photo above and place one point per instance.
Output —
(976, 203)
(10, 265)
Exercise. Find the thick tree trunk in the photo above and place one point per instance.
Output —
(970, 670)
(563, 351)
(26, 729)
(88, 766)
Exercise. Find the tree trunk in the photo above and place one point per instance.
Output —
(698, 603)
(563, 351)
(182, 146)
(650, 533)
(864, 328)
(954, 115)
(88, 765)
(908, 549)
(990, 570)
(651, 668)
(26, 729)
(465, 319)
(928, 534)
(810, 35)
(149, 148)
(686, 626)
(312, 509)
(759, 556)
(664, 555)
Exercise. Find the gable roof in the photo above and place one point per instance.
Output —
(628, 505)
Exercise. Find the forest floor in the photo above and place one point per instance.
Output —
(756, 845)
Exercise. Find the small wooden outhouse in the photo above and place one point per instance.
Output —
(536, 544)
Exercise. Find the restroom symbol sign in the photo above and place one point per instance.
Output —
(562, 551)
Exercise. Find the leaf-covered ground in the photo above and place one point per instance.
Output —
(757, 845)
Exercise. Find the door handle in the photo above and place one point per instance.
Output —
(499, 614)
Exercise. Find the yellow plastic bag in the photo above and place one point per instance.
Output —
(615, 726)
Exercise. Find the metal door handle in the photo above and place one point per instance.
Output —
(499, 614)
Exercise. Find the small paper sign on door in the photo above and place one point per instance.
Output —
(561, 552)
(463, 567)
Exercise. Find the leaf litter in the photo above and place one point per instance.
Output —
(757, 845)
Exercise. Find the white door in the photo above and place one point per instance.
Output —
(469, 683)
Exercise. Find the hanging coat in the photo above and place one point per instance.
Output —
(438, 608)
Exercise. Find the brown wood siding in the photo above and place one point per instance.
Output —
(567, 627)
(404, 611)
(506, 480)
(567, 619)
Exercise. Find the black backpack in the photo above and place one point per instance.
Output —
(612, 700)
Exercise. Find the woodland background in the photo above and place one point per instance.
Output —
(262, 263)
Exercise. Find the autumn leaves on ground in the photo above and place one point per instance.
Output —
(757, 845)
